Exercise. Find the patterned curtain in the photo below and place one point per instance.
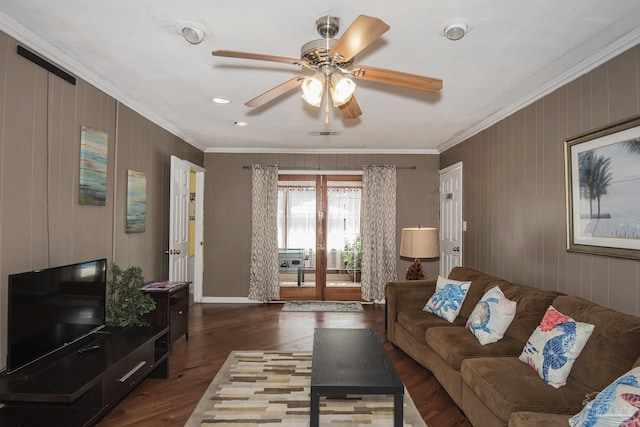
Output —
(263, 279)
(378, 230)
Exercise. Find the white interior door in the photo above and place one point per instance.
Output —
(179, 220)
(198, 266)
(451, 223)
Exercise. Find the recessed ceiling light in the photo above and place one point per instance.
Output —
(193, 35)
(221, 100)
(192, 32)
(328, 132)
(241, 124)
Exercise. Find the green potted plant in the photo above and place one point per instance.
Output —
(352, 257)
(126, 304)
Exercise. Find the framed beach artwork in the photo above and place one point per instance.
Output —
(136, 202)
(603, 191)
(93, 167)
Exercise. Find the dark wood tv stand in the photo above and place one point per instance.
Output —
(71, 388)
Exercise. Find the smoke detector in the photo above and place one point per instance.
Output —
(455, 29)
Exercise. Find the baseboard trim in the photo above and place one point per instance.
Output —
(229, 300)
(245, 300)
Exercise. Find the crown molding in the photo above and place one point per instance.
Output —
(624, 43)
(254, 150)
(24, 36)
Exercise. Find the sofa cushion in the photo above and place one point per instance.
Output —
(454, 344)
(531, 304)
(613, 347)
(416, 322)
(617, 403)
(531, 419)
(555, 345)
(506, 385)
(480, 283)
(492, 316)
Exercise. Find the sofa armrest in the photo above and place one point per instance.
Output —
(405, 295)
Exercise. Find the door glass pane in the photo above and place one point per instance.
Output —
(344, 253)
(297, 232)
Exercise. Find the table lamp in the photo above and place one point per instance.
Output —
(419, 243)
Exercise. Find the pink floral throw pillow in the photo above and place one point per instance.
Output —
(555, 345)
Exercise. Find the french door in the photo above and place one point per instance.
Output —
(318, 237)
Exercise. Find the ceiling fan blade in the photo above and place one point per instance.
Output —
(397, 78)
(275, 92)
(350, 109)
(258, 56)
(364, 31)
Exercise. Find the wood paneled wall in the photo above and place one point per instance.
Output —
(514, 189)
(228, 208)
(41, 222)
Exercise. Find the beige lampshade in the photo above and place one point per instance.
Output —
(420, 243)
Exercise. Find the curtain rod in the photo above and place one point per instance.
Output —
(318, 168)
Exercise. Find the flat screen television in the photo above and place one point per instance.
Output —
(51, 308)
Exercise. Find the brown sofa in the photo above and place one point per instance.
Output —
(489, 383)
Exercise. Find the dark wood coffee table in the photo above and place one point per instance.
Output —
(352, 361)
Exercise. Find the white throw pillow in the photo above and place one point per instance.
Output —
(491, 316)
(447, 300)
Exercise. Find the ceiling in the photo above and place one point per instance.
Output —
(515, 52)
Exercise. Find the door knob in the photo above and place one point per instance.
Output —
(456, 249)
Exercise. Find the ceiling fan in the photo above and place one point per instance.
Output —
(331, 60)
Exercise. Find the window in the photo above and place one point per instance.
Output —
(297, 217)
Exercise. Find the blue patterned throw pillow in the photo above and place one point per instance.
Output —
(617, 405)
(447, 300)
(555, 345)
(491, 316)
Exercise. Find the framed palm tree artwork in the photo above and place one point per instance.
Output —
(603, 190)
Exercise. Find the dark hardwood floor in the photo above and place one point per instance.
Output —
(217, 329)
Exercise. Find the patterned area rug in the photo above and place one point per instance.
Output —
(255, 388)
(321, 306)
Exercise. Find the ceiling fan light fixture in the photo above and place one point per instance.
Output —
(341, 89)
(312, 89)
